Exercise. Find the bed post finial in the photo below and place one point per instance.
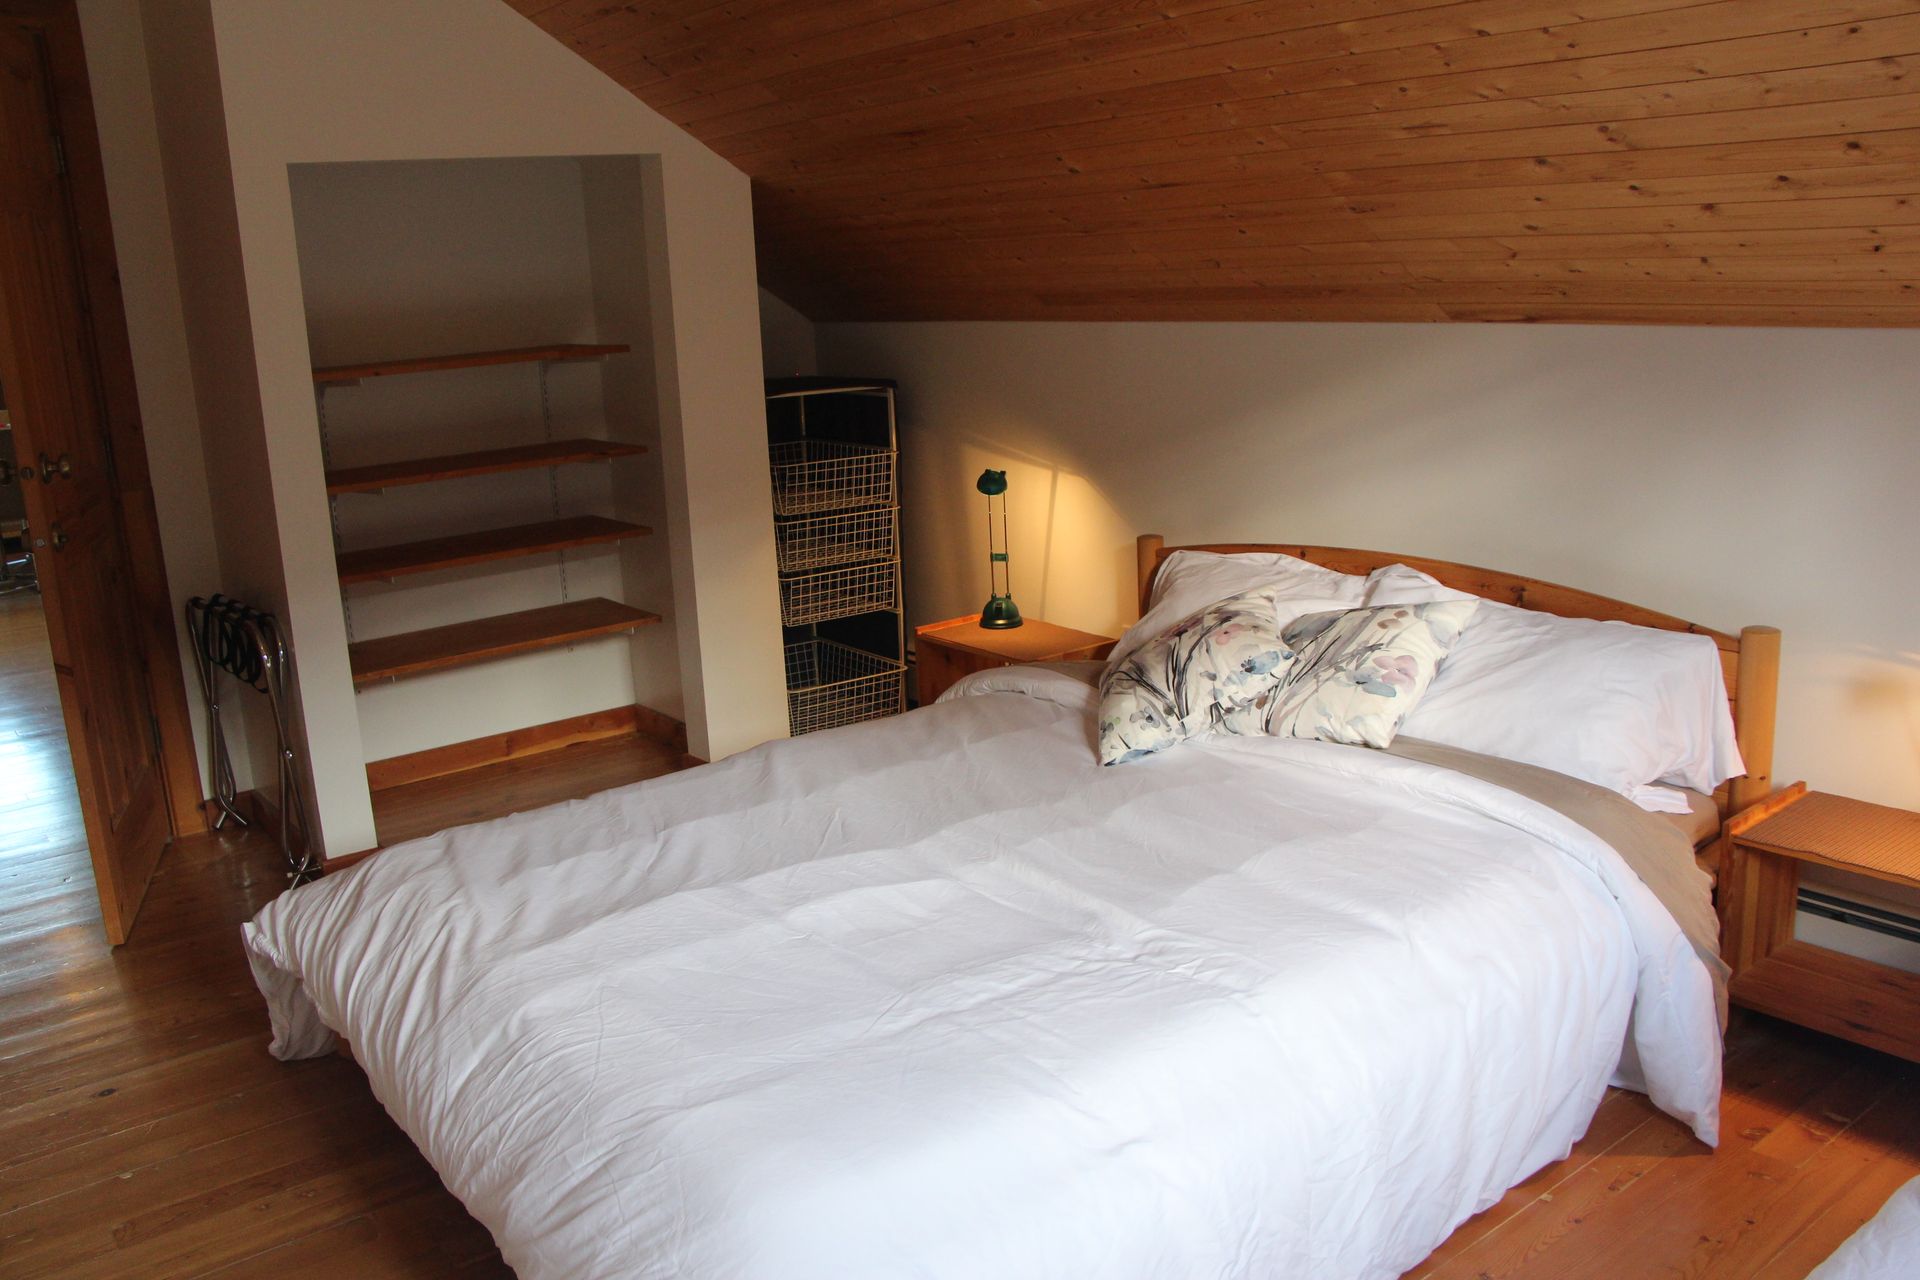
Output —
(1147, 547)
(1756, 697)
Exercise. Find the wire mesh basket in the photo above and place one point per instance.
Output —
(838, 593)
(827, 475)
(831, 684)
(817, 542)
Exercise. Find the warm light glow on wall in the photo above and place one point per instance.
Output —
(1060, 525)
(1881, 692)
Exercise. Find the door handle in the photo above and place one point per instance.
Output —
(57, 537)
(52, 469)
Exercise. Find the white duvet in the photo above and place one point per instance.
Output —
(1886, 1248)
(938, 996)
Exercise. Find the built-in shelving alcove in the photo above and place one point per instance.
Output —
(484, 391)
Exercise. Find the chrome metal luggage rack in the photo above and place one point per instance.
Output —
(245, 643)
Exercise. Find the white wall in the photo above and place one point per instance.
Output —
(1730, 476)
(231, 449)
(247, 88)
(143, 236)
(615, 193)
(788, 346)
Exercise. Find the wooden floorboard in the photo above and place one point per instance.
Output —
(145, 1131)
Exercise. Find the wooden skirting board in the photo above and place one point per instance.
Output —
(458, 757)
(261, 812)
(253, 806)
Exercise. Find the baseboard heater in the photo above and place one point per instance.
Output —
(1880, 931)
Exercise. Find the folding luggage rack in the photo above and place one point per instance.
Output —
(245, 643)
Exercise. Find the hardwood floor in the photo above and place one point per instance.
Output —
(144, 1131)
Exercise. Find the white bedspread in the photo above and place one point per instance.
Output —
(938, 996)
(1886, 1248)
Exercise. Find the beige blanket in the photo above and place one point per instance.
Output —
(1652, 846)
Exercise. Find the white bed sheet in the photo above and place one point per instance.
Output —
(938, 996)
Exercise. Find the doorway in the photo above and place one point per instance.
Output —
(97, 619)
(43, 844)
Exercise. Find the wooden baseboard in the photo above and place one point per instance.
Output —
(661, 727)
(255, 808)
(261, 812)
(477, 753)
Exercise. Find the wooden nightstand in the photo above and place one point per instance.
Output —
(1813, 986)
(960, 646)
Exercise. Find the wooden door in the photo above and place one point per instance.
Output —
(49, 377)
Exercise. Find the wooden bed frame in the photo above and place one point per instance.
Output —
(1750, 660)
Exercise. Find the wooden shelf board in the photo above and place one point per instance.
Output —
(468, 360)
(1839, 994)
(454, 466)
(436, 648)
(377, 564)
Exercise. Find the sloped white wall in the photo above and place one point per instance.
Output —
(788, 345)
(1730, 476)
(352, 80)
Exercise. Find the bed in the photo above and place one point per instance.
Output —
(937, 996)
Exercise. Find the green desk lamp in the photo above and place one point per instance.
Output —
(1000, 612)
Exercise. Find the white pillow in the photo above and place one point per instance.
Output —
(1189, 581)
(1618, 705)
(1404, 584)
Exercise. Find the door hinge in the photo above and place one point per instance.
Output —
(59, 155)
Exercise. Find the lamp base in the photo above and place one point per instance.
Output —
(1000, 614)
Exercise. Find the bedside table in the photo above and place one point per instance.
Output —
(960, 646)
(1841, 995)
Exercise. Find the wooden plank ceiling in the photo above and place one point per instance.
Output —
(1728, 162)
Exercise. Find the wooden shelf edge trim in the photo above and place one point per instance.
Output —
(477, 753)
(485, 639)
(557, 352)
(455, 466)
(378, 564)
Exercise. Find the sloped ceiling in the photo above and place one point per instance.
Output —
(1738, 162)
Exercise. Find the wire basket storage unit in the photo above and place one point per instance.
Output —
(831, 684)
(833, 459)
(839, 593)
(820, 542)
(830, 475)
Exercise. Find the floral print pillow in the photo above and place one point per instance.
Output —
(1185, 679)
(1356, 674)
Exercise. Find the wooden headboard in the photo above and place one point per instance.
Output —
(1750, 660)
